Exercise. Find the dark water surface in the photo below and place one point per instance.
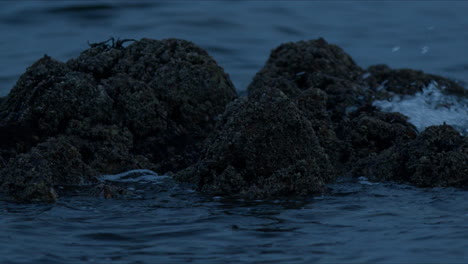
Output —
(357, 222)
(427, 35)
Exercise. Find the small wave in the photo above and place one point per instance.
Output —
(365, 181)
(141, 175)
(430, 107)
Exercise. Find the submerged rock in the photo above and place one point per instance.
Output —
(437, 157)
(264, 147)
(149, 105)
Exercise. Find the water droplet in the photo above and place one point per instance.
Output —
(424, 50)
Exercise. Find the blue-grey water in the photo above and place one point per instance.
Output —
(357, 222)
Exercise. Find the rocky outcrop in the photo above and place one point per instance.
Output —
(161, 105)
(264, 147)
(336, 95)
(437, 157)
(295, 67)
(148, 105)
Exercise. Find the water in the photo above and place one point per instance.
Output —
(359, 222)
(427, 35)
(163, 222)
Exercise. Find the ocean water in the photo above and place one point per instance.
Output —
(164, 222)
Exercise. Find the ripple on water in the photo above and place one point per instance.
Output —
(357, 227)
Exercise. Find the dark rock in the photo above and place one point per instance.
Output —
(264, 148)
(437, 157)
(295, 67)
(149, 105)
(329, 88)
(368, 131)
(313, 103)
(166, 93)
(32, 176)
(407, 82)
(106, 148)
(43, 103)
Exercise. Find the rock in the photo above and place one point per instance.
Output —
(438, 157)
(264, 148)
(295, 67)
(313, 104)
(167, 93)
(106, 148)
(46, 99)
(386, 81)
(329, 88)
(369, 131)
(32, 176)
(148, 105)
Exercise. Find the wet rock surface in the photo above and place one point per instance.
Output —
(437, 157)
(32, 176)
(148, 105)
(368, 131)
(264, 148)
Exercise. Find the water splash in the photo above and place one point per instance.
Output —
(365, 181)
(430, 107)
(141, 176)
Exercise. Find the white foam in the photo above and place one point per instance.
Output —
(364, 181)
(135, 176)
(430, 107)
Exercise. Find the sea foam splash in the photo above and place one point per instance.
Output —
(430, 107)
(141, 176)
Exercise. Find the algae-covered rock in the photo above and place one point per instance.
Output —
(313, 104)
(264, 147)
(32, 176)
(368, 131)
(106, 148)
(148, 105)
(167, 93)
(437, 157)
(295, 67)
(45, 100)
(322, 80)
(329, 88)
